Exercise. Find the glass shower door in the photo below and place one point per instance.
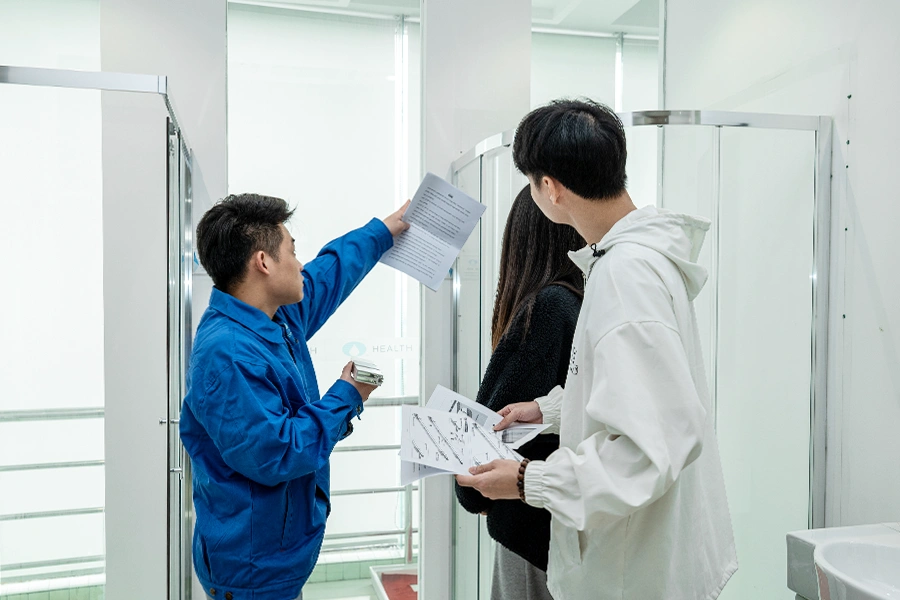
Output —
(493, 180)
(763, 182)
(52, 404)
(757, 187)
(764, 358)
(92, 349)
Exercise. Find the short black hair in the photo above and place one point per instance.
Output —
(580, 143)
(233, 229)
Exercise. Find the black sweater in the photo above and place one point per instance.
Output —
(521, 370)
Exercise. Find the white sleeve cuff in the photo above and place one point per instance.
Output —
(551, 406)
(534, 483)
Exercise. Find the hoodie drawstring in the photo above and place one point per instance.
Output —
(597, 253)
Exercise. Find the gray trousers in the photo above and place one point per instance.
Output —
(517, 579)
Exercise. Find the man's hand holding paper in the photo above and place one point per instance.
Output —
(441, 218)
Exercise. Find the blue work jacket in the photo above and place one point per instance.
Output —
(258, 434)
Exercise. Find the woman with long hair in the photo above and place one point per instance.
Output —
(539, 296)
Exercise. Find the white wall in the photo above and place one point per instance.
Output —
(832, 58)
(185, 42)
(476, 78)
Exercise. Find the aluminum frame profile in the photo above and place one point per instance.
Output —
(95, 80)
(643, 118)
(86, 80)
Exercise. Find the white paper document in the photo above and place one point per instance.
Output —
(450, 442)
(450, 434)
(441, 218)
(518, 434)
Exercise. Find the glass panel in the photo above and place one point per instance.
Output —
(381, 471)
(501, 183)
(764, 357)
(468, 276)
(641, 166)
(690, 172)
(78, 440)
(467, 353)
(51, 324)
(38, 490)
(755, 315)
(383, 512)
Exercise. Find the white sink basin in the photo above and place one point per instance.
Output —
(858, 570)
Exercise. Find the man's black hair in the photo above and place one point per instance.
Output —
(580, 143)
(232, 230)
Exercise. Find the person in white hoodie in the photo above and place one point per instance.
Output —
(635, 491)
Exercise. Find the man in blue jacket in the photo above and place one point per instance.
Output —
(253, 423)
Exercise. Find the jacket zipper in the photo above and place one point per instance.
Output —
(288, 336)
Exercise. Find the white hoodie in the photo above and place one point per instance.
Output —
(636, 489)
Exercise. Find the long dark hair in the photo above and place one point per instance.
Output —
(533, 256)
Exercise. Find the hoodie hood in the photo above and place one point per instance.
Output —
(676, 236)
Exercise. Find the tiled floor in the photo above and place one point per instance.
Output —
(84, 593)
(360, 589)
(353, 565)
(337, 576)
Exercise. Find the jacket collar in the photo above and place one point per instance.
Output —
(249, 316)
(585, 258)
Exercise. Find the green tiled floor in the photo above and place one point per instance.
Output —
(83, 593)
(346, 571)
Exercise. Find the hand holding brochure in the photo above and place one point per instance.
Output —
(451, 434)
(441, 218)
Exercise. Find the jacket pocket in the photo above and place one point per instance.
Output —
(204, 558)
(288, 517)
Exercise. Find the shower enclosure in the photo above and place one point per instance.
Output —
(96, 189)
(764, 182)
